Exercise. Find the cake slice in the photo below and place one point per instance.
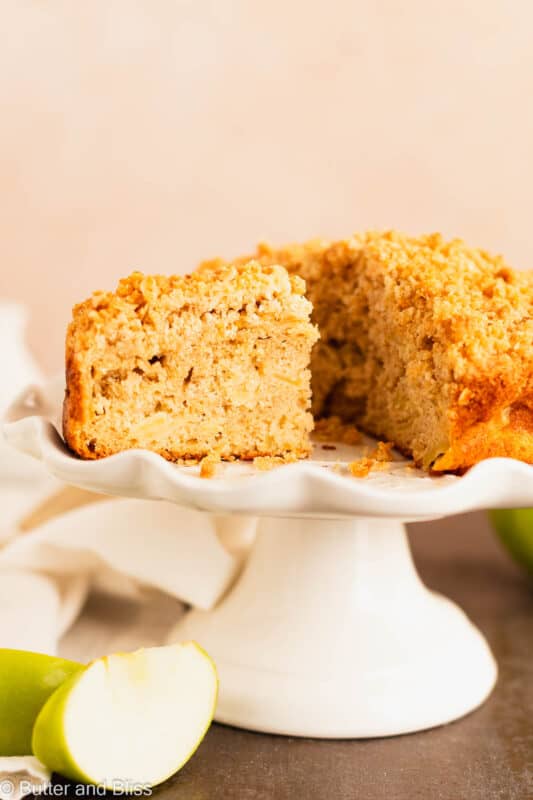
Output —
(215, 363)
(424, 342)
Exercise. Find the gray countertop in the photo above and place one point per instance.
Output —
(488, 754)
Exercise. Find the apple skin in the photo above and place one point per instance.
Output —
(515, 530)
(50, 745)
(26, 682)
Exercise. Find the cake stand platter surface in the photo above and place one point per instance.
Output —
(328, 631)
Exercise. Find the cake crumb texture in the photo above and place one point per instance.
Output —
(208, 366)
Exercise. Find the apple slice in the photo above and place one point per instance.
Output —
(130, 719)
(26, 681)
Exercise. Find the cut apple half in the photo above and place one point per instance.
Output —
(130, 719)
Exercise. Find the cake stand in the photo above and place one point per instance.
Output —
(328, 631)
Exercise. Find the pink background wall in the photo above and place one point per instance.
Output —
(152, 134)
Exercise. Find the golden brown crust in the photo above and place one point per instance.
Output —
(500, 430)
(74, 406)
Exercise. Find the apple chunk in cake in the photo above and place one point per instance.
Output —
(211, 363)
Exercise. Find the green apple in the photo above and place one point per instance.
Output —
(515, 529)
(130, 719)
(26, 681)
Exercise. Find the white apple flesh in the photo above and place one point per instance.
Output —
(129, 719)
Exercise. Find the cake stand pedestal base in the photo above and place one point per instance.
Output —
(329, 632)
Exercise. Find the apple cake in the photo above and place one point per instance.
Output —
(424, 342)
(211, 363)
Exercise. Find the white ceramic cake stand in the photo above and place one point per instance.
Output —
(329, 631)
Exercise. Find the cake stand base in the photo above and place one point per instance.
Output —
(329, 632)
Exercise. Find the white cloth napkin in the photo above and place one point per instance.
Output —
(22, 776)
(142, 561)
(22, 479)
(145, 559)
(121, 547)
(113, 575)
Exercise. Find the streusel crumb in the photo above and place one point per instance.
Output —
(382, 451)
(363, 466)
(208, 466)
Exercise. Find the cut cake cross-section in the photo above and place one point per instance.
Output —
(213, 363)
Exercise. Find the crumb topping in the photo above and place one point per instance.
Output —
(250, 288)
(382, 451)
(363, 466)
(208, 465)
